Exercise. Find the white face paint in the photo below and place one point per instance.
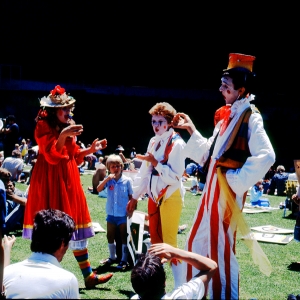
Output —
(63, 113)
(159, 124)
(228, 91)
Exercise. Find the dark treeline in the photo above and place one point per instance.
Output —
(125, 119)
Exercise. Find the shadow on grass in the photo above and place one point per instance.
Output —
(129, 294)
(97, 287)
(16, 233)
(112, 268)
(294, 266)
(291, 216)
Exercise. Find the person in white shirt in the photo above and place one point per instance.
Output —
(148, 276)
(41, 274)
(14, 165)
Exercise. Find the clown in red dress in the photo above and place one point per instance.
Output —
(55, 181)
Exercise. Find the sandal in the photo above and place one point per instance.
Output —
(108, 261)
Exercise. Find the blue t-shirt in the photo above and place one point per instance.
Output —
(255, 193)
(118, 196)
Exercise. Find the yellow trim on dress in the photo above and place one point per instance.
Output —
(234, 216)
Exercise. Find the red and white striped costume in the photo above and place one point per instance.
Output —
(209, 235)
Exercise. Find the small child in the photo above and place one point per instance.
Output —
(119, 192)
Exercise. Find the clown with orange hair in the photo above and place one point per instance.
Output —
(160, 177)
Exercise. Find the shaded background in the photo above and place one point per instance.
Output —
(155, 45)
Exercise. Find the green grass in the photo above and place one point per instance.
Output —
(253, 284)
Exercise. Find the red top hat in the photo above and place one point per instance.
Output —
(240, 60)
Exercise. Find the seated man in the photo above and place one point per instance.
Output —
(278, 182)
(191, 169)
(98, 176)
(14, 165)
(15, 203)
(148, 276)
(91, 159)
(42, 275)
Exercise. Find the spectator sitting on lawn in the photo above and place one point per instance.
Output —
(191, 169)
(256, 191)
(91, 159)
(15, 203)
(14, 164)
(278, 182)
(148, 276)
(99, 176)
(42, 275)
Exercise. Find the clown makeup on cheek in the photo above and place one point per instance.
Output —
(228, 91)
(64, 114)
(159, 124)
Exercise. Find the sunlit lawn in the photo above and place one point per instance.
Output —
(253, 284)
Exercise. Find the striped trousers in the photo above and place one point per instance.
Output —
(210, 236)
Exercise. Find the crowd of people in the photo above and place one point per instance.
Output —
(55, 214)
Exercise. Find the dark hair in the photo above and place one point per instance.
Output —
(5, 175)
(241, 77)
(148, 277)
(49, 114)
(11, 118)
(50, 228)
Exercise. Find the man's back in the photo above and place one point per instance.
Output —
(278, 181)
(40, 276)
(14, 166)
(191, 168)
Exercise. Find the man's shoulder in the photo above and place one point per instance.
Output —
(7, 160)
(15, 266)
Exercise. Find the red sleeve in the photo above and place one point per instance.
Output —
(46, 138)
(78, 156)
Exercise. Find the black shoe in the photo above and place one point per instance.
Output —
(291, 297)
(108, 261)
(122, 265)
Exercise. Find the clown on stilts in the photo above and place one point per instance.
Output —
(242, 154)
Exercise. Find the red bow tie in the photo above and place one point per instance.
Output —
(226, 119)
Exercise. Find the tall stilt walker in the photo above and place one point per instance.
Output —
(241, 155)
